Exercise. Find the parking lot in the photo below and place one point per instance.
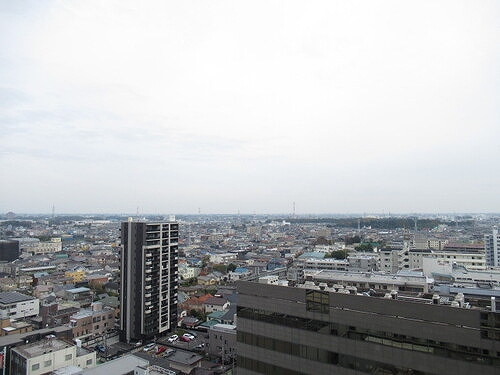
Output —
(201, 338)
(157, 351)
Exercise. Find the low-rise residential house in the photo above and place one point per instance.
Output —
(189, 322)
(215, 304)
(194, 303)
(238, 274)
(229, 316)
(7, 284)
(42, 291)
(207, 280)
(215, 317)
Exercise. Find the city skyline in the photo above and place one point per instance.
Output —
(248, 107)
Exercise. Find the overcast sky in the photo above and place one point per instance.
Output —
(248, 106)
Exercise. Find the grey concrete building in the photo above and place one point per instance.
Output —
(288, 330)
(149, 279)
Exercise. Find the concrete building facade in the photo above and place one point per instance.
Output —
(93, 321)
(292, 331)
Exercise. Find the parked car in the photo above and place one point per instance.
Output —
(148, 347)
(173, 338)
(199, 347)
(168, 352)
(188, 336)
(184, 338)
(160, 350)
(100, 348)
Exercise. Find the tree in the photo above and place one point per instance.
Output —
(231, 267)
(220, 267)
(337, 254)
(365, 246)
(351, 240)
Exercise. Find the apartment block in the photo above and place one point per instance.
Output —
(149, 279)
(93, 321)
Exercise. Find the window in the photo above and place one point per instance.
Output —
(318, 301)
(68, 357)
(47, 363)
(35, 366)
(89, 362)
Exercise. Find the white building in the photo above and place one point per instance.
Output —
(35, 246)
(424, 243)
(363, 262)
(311, 261)
(187, 272)
(42, 357)
(15, 305)
(491, 242)
(454, 273)
(223, 258)
(394, 260)
(470, 260)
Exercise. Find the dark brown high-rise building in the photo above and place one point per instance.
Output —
(9, 250)
(149, 279)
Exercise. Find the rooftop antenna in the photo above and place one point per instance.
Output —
(415, 225)
(53, 211)
(137, 212)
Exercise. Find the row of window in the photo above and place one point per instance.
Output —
(361, 365)
(48, 363)
(36, 366)
(445, 349)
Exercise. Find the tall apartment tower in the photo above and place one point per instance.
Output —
(149, 279)
(491, 242)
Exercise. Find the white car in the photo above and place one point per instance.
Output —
(173, 338)
(148, 347)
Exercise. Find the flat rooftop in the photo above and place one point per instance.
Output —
(367, 277)
(41, 347)
(122, 365)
